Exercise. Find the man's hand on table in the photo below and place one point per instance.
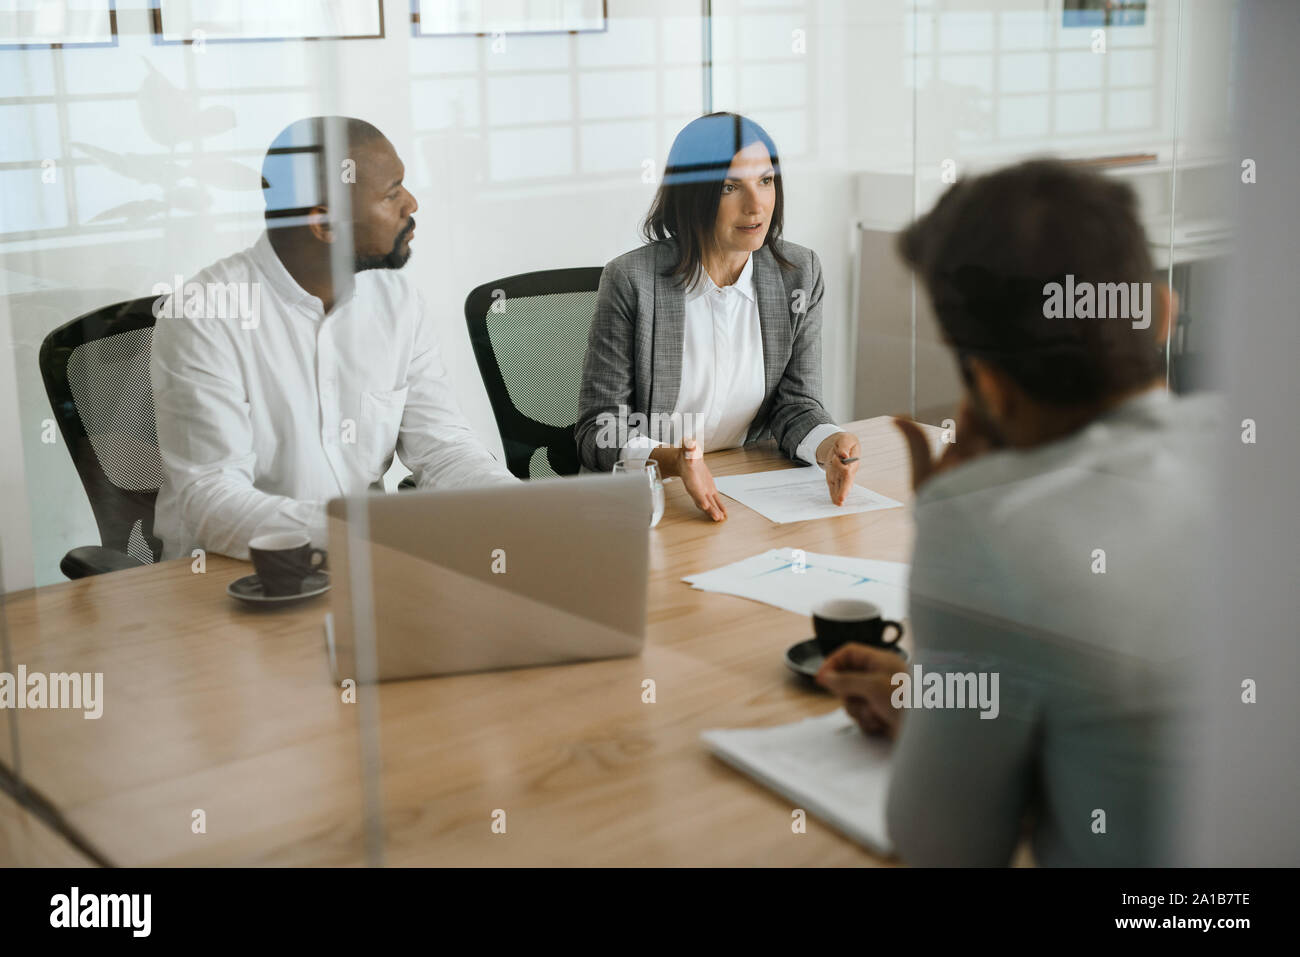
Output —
(687, 463)
(861, 678)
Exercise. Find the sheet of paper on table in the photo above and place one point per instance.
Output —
(796, 580)
(825, 765)
(797, 495)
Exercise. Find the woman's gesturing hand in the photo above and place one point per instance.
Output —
(832, 455)
(687, 463)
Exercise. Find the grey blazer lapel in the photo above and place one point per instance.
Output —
(773, 319)
(669, 318)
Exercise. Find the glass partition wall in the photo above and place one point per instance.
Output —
(875, 109)
(137, 142)
(138, 149)
(1138, 91)
(137, 139)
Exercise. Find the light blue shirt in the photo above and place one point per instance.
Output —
(1074, 570)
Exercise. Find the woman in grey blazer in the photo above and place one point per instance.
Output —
(709, 336)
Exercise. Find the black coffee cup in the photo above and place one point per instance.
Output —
(283, 560)
(837, 621)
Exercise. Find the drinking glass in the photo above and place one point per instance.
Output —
(651, 469)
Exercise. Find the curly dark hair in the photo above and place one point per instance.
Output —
(992, 243)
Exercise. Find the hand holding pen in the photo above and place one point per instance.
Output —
(838, 455)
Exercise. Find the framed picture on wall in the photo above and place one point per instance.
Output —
(1104, 13)
(28, 24)
(234, 21)
(443, 18)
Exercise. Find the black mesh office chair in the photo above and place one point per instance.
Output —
(96, 372)
(529, 334)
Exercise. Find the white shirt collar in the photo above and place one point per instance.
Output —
(283, 284)
(744, 283)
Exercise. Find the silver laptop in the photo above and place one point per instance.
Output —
(443, 582)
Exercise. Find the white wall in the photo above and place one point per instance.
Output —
(783, 64)
(996, 81)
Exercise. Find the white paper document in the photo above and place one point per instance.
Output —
(797, 581)
(797, 495)
(825, 765)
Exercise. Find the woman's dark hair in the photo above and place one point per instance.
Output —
(991, 245)
(685, 207)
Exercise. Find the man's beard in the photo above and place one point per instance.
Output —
(979, 411)
(395, 258)
(984, 420)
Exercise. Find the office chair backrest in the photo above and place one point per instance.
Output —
(529, 334)
(96, 372)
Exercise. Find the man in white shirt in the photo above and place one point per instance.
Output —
(1062, 543)
(289, 374)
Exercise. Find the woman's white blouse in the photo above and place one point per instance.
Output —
(723, 380)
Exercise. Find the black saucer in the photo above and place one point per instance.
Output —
(805, 658)
(249, 589)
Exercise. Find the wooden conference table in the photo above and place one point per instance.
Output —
(216, 707)
(27, 841)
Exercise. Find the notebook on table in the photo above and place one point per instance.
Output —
(825, 765)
